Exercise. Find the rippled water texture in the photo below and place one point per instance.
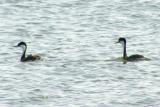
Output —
(76, 40)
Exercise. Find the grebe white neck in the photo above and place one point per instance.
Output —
(23, 47)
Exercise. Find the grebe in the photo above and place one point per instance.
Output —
(135, 57)
(29, 57)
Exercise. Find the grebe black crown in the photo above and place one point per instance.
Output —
(21, 43)
(121, 39)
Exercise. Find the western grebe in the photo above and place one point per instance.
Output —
(135, 57)
(29, 57)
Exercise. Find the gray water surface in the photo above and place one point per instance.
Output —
(76, 40)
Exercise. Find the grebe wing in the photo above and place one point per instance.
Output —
(33, 57)
(136, 57)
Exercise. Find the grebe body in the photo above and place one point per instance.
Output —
(25, 58)
(135, 57)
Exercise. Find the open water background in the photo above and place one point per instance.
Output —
(76, 40)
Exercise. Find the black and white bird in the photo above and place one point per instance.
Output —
(135, 57)
(25, 58)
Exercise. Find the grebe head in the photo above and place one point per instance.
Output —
(22, 44)
(122, 41)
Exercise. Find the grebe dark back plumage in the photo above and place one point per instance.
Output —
(29, 57)
(135, 57)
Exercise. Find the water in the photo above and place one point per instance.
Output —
(76, 40)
